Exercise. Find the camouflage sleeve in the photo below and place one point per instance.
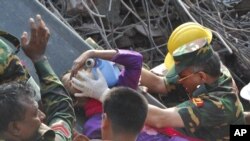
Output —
(11, 68)
(210, 114)
(57, 104)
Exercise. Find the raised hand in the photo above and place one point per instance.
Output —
(35, 46)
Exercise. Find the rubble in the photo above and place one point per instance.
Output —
(145, 25)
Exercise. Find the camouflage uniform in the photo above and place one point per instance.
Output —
(212, 108)
(57, 104)
(11, 68)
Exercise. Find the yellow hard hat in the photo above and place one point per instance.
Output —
(183, 34)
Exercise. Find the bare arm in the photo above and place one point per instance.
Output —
(160, 118)
(154, 83)
(103, 54)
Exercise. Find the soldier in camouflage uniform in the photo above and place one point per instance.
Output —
(213, 101)
(26, 123)
(213, 104)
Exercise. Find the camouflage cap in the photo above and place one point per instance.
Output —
(11, 67)
(187, 55)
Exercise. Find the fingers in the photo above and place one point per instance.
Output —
(74, 70)
(76, 66)
(79, 62)
(24, 39)
(81, 95)
(81, 80)
(80, 85)
(41, 23)
(77, 84)
(83, 76)
(43, 31)
(47, 33)
(33, 29)
(38, 30)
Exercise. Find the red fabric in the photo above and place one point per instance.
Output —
(92, 107)
(172, 132)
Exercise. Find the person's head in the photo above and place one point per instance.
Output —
(20, 117)
(195, 63)
(184, 34)
(125, 112)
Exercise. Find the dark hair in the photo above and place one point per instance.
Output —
(11, 96)
(211, 66)
(127, 110)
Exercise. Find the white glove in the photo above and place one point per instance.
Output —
(95, 88)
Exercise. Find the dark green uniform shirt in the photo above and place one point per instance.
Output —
(57, 105)
(212, 109)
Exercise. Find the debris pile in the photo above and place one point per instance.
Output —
(145, 25)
